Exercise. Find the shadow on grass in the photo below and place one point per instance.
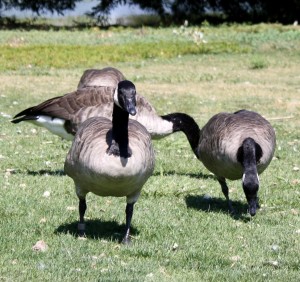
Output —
(97, 229)
(201, 203)
(58, 172)
(192, 175)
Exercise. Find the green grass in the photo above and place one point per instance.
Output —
(79, 56)
(181, 227)
(71, 49)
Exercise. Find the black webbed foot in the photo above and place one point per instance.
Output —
(81, 230)
(126, 240)
(232, 211)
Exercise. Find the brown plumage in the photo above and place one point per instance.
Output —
(62, 115)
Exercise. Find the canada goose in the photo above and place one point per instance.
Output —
(111, 158)
(94, 97)
(235, 146)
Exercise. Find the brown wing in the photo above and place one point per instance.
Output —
(66, 107)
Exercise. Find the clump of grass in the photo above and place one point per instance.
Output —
(193, 33)
(258, 63)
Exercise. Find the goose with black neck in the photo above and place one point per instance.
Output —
(232, 146)
(112, 158)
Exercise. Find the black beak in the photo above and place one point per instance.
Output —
(132, 111)
(131, 108)
(252, 207)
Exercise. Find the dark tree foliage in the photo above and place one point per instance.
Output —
(191, 10)
(195, 11)
(176, 11)
(256, 11)
(39, 6)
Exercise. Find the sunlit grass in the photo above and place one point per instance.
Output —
(69, 49)
(79, 56)
(181, 227)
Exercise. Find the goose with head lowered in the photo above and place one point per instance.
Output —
(235, 146)
(94, 97)
(111, 158)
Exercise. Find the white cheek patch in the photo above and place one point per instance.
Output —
(116, 99)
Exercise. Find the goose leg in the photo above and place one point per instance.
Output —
(81, 224)
(226, 193)
(129, 212)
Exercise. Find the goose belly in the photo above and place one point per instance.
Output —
(220, 156)
(93, 170)
(54, 125)
(109, 186)
(112, 176)
(108, 175)
(222, 166)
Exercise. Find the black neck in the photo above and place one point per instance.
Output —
(249, 154)
(186, 124)
(120, 120)
(120, 141)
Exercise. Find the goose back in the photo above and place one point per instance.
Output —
(100, 77)
(146, 113)
(93, 170)
(102, 107)
(223, 135)
(63, 115)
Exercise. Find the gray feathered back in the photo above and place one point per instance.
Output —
(224, 134)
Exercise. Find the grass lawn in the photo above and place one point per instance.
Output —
(182, 230)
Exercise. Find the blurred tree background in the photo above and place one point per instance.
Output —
(176, 11)
(38, 7)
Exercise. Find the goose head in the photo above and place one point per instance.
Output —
(125, 96)
(251, 186)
